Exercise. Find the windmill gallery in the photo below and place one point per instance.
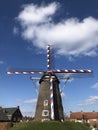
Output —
(49, 103)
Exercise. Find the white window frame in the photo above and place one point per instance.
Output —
(44, 111)
(45, 102)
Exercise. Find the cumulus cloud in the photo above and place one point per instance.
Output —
(28, 113)
(30, 101)
(90, 101)
(95, 86)
(71, 37)
(15, 30)
(33, 14)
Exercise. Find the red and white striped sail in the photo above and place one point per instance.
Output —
(49, 71)
(51, 99)
(48, 58)
(72, 71)
(25, 72)
(49, 68)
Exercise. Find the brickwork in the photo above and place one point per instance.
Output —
(44, 95)
(58, 108)
(5, 125)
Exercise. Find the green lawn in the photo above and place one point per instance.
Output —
(49, 126)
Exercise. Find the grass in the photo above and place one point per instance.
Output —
(33, 125)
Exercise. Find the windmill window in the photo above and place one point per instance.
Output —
(45, 102)
(53, 77)
(45, 113)
(46, 76)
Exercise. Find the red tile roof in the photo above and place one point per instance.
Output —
(84, 115)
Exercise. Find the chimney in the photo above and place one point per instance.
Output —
(70, 112)
(18, 107)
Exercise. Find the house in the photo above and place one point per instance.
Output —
(84, 117)
(10, 114)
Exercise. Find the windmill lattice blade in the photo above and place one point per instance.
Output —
(25, 72)
(64, 74)
(48, 58)
(72, 71)
(34, 78)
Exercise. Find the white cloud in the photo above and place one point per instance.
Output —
(90, 101)
(71, 36)
(15, 30)
(30, 101)
(95, 86)
(1, 62)
(28, 113)
(27, 106)
(33, 14)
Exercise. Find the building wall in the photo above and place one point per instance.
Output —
(58, 108)
(44, 94)
(5, 125)
(17, 116)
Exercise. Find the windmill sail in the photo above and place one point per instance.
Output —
(49, 103)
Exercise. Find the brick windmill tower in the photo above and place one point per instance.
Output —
(49, 103)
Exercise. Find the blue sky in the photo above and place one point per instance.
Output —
(26, 28)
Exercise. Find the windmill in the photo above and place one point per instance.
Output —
(49, 103)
